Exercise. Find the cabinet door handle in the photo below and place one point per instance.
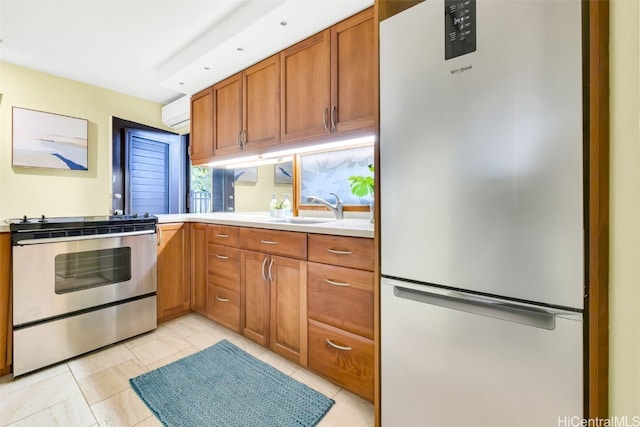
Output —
(333, 117)
(222, 236)
(324, 118)
(339, 347)
(159, 239)
(239, 140)
(221, 256)
(269, 242)
(334, 283)
(243, 138)
(338, 252)
(270, 268)
(222, 299)
(264, 274)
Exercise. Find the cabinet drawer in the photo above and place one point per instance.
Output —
(223, 235)
(223, 306)
(342, 357)
(287, 243)
(354, 252)
(224, 267)
(341, 297)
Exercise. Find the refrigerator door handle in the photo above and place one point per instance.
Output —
(526, 314)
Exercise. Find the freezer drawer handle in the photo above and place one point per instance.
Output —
(221, 256)
(338, 252)
(222, 299)
(334, 283)
(339, 347)
(509, 311)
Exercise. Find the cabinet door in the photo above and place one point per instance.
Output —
(305, 71)
(353, 73)
(173, 271)
(5, 303)
(261, 104)
(201, 139)
(255, 294)
(199, 268)
(288, 308)
(227, 115)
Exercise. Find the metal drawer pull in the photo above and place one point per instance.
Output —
(270, 268)
(339, 347)
(338, 252)
(222, 256)
(334, 283)
(222, 299)
(264, 274)
(222, 236)
(269, 242)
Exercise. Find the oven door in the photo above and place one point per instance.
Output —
(63, 276)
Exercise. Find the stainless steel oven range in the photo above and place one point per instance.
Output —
(80, 283)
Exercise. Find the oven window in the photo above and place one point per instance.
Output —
(82, 270)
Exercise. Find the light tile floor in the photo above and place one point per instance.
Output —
(94, 390)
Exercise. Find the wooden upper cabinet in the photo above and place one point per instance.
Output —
(261, 104)
(227, 115)
(328, 81)
(201, 138)
(353, 73)
(305, 75)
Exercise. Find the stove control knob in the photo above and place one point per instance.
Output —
(42, 218)
(146, 215)
(24, 218)
(134, 215)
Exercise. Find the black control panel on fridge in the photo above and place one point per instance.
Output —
(459, 28)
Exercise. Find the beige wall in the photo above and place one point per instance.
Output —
(624, 327)
(57, 192)
(252, 197)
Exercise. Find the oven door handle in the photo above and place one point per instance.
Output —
(85, 237)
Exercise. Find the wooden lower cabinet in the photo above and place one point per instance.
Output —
(223, 291)
(5, 303)
(199, 268)
(174, 273)
(344, 358)
(341, 311)
(274, 309)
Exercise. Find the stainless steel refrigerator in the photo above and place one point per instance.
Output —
(482, 214)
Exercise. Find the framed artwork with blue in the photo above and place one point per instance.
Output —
(48, 140)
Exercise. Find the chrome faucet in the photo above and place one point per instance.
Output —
(337, 209)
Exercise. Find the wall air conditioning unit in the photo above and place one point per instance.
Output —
(177, 114)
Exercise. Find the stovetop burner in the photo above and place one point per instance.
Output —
(46, 223)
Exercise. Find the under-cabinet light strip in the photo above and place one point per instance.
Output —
(285, 155)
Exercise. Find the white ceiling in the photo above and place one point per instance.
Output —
(157, 49)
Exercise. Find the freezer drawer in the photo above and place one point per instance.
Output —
(444, 364)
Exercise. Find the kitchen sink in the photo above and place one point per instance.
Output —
(301, 220)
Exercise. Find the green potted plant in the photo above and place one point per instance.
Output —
(363, 186)
(278, 209)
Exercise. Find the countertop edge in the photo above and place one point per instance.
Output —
(346, 227)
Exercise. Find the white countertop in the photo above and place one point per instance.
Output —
(354, 227)
(346, 227)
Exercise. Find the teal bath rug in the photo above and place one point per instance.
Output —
(225, 386)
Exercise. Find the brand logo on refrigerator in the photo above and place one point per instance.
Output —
(457, 71)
